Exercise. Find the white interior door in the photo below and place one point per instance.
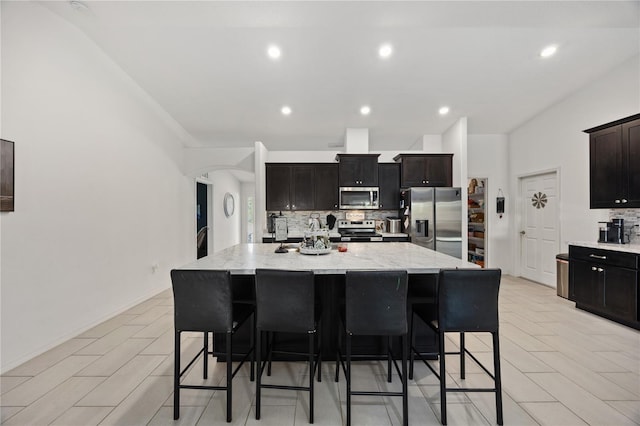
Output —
(539, 234)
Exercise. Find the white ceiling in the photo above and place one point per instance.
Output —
(205, 63)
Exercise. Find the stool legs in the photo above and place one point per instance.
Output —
(497, 377)
(462, 356)
(348, 378)
(311, 375)
(389, 359)
(229, 376)
(176, 377)
(405, 388)
(259, 371)
(205, 365)
(443, 380)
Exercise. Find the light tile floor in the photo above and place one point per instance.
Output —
(560, 366)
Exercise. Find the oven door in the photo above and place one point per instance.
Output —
(359, 198)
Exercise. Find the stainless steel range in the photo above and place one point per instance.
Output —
(358, 230)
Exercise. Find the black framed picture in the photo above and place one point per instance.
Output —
(7, 175)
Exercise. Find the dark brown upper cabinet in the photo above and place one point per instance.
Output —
(326, 186)
(358, 169)
(7, 175)
(389, 180)
(425, 169)
(290, 186)
(614, 164)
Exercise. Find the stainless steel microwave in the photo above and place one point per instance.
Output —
(359, 198)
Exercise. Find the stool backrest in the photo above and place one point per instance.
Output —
(285, 300)
(376, 302)
(468, 299)
(202, 299)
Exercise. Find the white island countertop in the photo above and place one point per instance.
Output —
(334, 234)
(627, 248)
(246, 258)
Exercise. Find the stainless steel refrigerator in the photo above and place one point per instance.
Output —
(433, 218)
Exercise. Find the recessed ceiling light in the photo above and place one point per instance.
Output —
(365, 110)
(286, 110)
(444, 110)
(549, 51)
(274, 52)
(385, 50)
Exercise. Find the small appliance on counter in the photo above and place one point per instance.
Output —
(393, 225)
(611, 232)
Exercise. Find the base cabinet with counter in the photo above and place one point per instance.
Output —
(605, 282)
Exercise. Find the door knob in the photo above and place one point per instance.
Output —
(522, 232)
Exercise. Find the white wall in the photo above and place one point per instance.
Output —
(247, 189)
(226, 230)
(487, 157)
(554, 140)
(260, 156)
(100, 196)
(454, 140)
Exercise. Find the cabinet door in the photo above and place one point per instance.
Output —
(357, 170)
(605, 167)
(631, 146)
(586, 283)
(277, 178)
(413, 172)
(621, 292)
(326, 187)
(389, 182)
(438, 170)
(369, 171)
(349, 171)
(302, 187)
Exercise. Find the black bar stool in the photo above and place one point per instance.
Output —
(203, 302)
(467, 302)
(285, 302)
(375, 305)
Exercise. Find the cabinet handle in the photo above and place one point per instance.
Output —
(335, 206)
(617, 201)
(593, 268)
(624, 200)
(287, 206)
(293, 206)
(595, 256)
(600, 269)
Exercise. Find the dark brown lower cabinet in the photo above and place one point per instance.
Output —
(605, 282)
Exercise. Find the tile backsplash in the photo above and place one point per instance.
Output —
(631, 222)
(298, 221)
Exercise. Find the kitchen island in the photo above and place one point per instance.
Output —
(422, 265)
(243, 259)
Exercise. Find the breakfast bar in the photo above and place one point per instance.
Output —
(422, 265)
(244, 259)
